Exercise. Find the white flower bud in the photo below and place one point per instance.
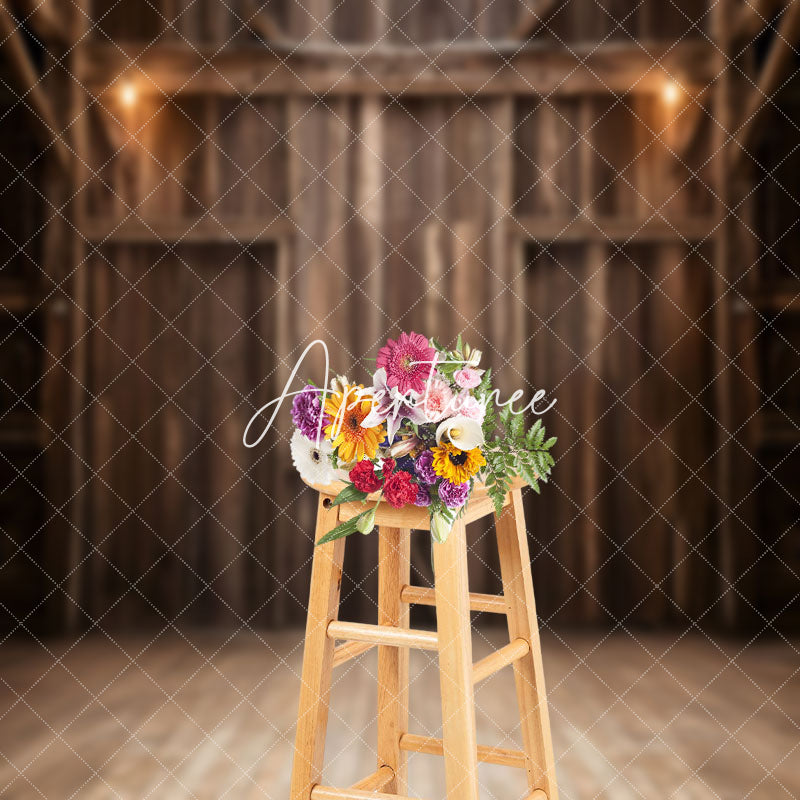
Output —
(440, 528)
(339, 383)
(474, 359)
(366, 523)
(403, 447)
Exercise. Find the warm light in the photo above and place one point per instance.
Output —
(128, 94)
(671, 93)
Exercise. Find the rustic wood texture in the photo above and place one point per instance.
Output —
(350, 170)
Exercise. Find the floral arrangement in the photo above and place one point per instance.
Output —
(422, 434)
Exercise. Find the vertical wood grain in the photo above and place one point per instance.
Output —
(592, 349)
(323, 606)
(455, 665)
(394, 572)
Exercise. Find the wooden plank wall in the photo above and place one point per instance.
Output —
(560, 234)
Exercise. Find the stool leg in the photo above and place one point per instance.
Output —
(394, 572)
(515, 568)
(455, 665)
(323, 607)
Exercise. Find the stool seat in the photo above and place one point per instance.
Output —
(393, 636)
(414, 517)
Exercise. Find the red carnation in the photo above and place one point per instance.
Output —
(388, 467)
(364, 478)
(399, 490)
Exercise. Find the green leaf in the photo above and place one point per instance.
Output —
(343, 529)
(348, 495)
(549, 443)
(489, 422)
(485, 386)
(517, 426)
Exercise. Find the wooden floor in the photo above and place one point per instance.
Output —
(210, 716)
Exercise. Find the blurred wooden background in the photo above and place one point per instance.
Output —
(601, 198)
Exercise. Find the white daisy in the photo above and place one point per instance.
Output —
(312, 462)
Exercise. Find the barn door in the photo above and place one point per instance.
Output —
(183, 353)
(620, 339)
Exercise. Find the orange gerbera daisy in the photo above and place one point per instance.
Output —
(347, 409)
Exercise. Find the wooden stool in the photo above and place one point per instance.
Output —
(452, 640)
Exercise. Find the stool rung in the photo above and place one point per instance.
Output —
(344, 652)
(422, 596)
(494, 662)
(329, 793)
(383, 634)
(376, 782)
(415, 743)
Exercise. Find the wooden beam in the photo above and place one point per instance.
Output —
(135, 231)
(753, 17)
(30, 87)
(390, 70)
(262, 23)
(43, 19)
(724, 256)
(532, 19)
(776, 67)
(613, 229)
(691, 120)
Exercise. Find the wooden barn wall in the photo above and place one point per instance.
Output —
(222, 234)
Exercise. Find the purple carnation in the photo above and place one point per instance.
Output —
(454, 495)
(307, 410)
(423, 496)
(423, 466)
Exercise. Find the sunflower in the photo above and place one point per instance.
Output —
(456, 466)
(347, 409)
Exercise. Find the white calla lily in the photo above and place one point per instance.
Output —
(463, 432)
(440, 528)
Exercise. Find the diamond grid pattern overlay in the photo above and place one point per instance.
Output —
(420, 195)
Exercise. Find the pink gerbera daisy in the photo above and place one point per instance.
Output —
(408, 362)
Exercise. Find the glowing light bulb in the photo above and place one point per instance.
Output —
(671, 93)
(128, 94)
